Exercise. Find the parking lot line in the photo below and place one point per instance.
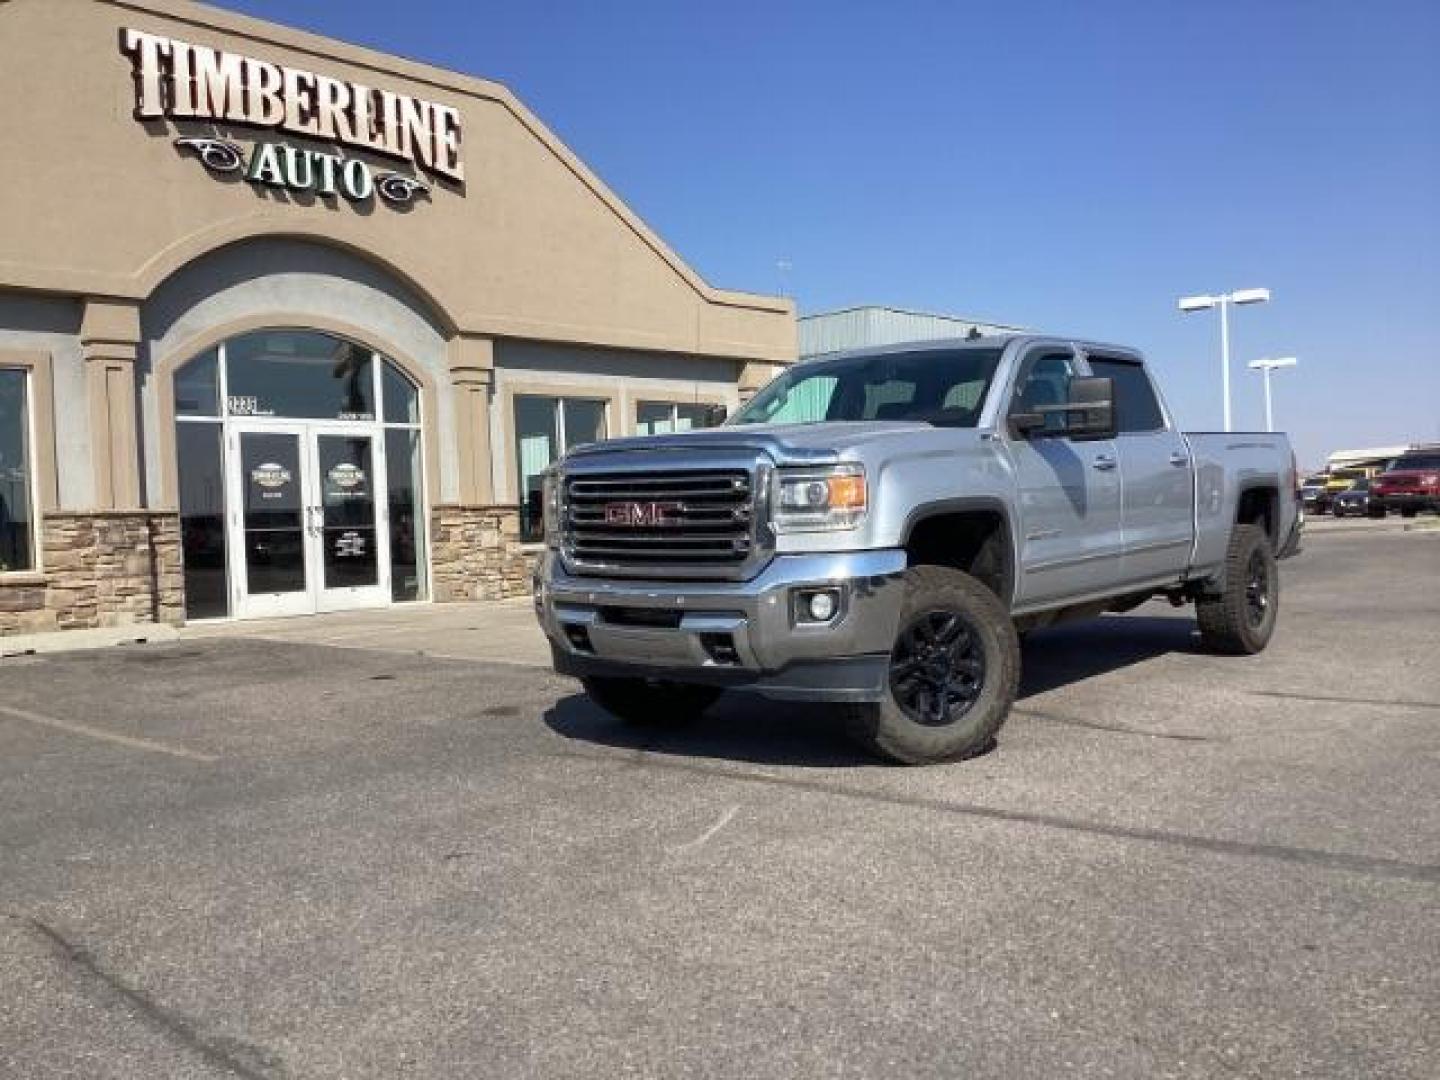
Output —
(131, 741)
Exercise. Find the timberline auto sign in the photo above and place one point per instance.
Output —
(176, 80)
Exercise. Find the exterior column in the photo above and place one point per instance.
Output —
(472, 376)
(110, 340)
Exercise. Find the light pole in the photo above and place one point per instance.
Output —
(1265, 367)
(1223, 302)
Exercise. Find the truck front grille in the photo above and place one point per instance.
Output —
(691, 523)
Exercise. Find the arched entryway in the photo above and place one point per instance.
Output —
(299, 461)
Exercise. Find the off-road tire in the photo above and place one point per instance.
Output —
(887, 729)
(650, 702)
(1228, 621)
(1409, 511)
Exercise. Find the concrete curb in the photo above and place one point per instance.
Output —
(59, 641)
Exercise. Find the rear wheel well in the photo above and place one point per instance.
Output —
(1260, 506)
(975, 541)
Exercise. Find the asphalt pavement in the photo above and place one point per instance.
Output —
(232, 856)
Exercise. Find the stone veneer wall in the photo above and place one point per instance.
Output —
(101, 568)
(476, 553)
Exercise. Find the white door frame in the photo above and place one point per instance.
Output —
(314, 597)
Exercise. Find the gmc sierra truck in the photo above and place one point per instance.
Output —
(877, 530)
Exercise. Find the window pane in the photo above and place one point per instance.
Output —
(1136, 407)
(690, 417)
(536, 445)
(402, 399)
(298, 373)
(17, 547)
(407, 524)
(202, 520)
(891, 399)
(197, 386)
(653, 418)
(584, 421)
(274, 512)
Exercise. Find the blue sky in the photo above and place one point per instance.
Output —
(1074, 167)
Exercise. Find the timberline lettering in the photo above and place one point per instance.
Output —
(175, 79)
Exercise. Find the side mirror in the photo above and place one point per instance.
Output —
(715, 415)
(1088, 414)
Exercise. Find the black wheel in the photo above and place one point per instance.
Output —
(650, 702)
(954, 670)
(1241, 619)
(1408, 511)
(1375, 512)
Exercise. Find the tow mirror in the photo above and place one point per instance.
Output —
(1088, 414)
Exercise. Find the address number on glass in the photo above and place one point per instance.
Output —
(244, 405)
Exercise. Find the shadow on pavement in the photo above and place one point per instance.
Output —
(1074, 652)
(748, 728)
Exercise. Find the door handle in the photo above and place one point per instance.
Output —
(1103, 462)
(1179, 460)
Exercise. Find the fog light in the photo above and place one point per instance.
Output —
(822, 606)
(813, 606)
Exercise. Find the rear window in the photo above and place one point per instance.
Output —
(1415, 461)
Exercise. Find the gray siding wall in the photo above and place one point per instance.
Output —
(860, 327)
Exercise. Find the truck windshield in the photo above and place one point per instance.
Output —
(942, 387)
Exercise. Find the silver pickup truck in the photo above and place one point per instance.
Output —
(878, 530)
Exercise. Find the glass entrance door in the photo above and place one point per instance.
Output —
(351, 557)
(308, 533)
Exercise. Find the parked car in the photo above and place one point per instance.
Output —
(876, 530)
(1313, 495)
(1410, 483)
(1353, 500)
(1338, 480)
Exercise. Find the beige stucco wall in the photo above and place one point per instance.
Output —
(533, 246)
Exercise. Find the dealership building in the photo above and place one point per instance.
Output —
(291, 326)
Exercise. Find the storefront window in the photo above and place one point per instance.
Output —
(202, 519)
(407, 514)
(401, 398)
(17, 534)
(301, 374)
(197, 386)
(546, 427)
(298, 443)
(664, 417)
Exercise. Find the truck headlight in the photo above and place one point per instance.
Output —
(819, 500)
(550, 508)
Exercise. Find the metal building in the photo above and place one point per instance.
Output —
(858, 327)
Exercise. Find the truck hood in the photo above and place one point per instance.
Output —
(785, 444)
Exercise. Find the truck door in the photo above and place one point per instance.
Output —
(1069, 491)
(1156, 481)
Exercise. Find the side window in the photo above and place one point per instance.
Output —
(1136, 407)
(1046, 382)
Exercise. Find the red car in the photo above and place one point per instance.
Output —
(1410, 484)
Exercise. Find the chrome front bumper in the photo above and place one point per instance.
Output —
(608, 626)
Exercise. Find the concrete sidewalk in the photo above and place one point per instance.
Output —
(500, 631)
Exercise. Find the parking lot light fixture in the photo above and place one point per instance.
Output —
(1265, 366)
(1223, 301)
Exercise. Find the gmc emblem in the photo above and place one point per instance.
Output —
(639, 515)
